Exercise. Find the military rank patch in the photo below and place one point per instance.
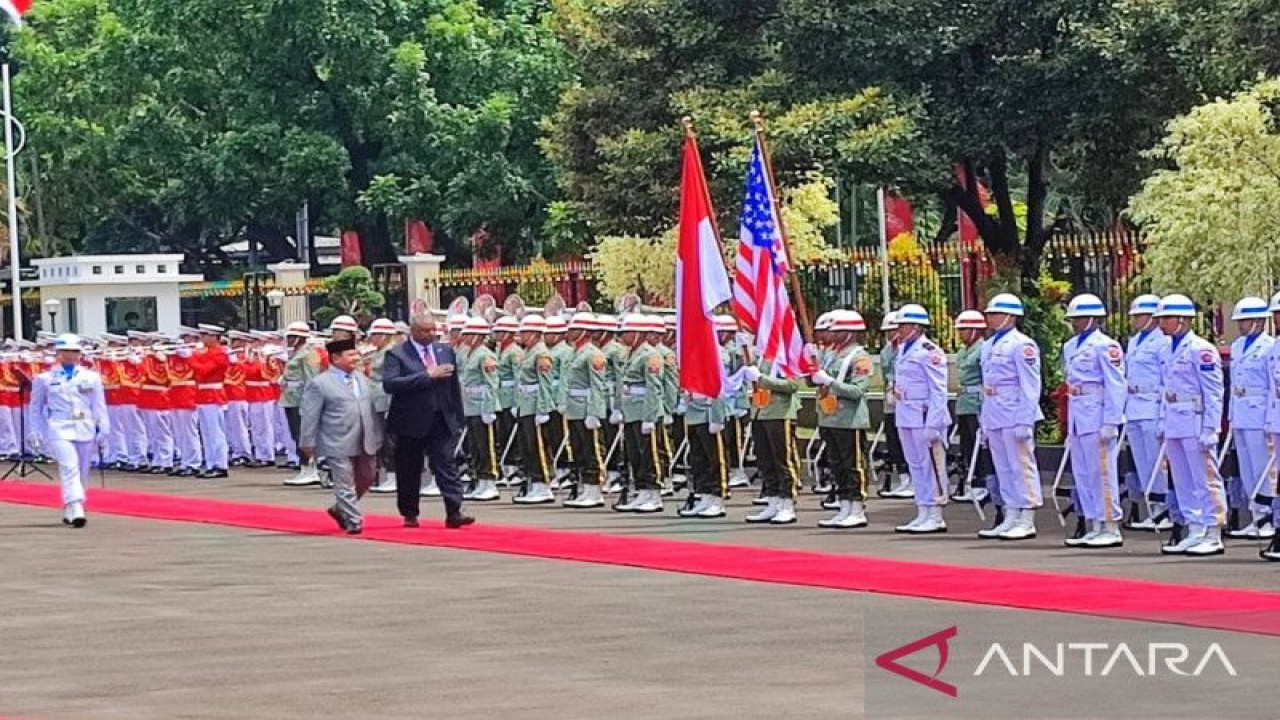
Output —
(1115, 355)
(862, 366)
(937, 359)
(655, 363)
(1029, 354)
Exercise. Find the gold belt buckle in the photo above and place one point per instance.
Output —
(988, 390)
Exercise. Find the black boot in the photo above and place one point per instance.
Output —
(1081, 529)
(1272, 553)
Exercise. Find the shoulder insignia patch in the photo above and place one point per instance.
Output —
(544, 363)
(862, 366)
(1029, 351)
(1115, 355)
(655, 363)
(597, 360)
(490, 364)
(937, 358)
(1207, 357)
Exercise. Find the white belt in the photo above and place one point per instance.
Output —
(209, 386)
(637, 390)
(971, 389)
(529, 389)
(507, 383)
(1248, 392)
(1001, 389)
(257, 383)
(1090, 389)
(153, 387)
(294, 383)
(476, 390)
(1143, 389)
(1176, 400)
(581, 394)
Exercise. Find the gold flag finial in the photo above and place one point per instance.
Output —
(758, 120)
(687, 121)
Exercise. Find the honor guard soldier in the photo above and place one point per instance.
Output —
(616, 353)
(843, 417)
(70, 422)
(1250, 388)
(920, 391)
(107, 365)
(898, 482)
(154, 405)
(586, 410)
(640, 391)
(479, 380)
(510, 355)
(382, 334)
(304, 363)
(236, 416)
(209, 367)
(1096, 395)
(738, 401)
(182, 405)
(259, 403)
(1143, 366)
(777, 403)
(705, 420)
(1191, 419)
(535, 402)
(1010, 410)
(1267, 490)
(972, 328)
(275, 356)
(557, 429)
(672, 430)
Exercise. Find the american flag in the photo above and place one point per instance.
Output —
(759, 294)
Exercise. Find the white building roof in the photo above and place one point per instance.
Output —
(111, 269)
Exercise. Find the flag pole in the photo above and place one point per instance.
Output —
(801, 309)
(884, 252)
(687, 122)
(15, 271)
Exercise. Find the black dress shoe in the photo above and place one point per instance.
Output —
(337, 517)
(214, 473)
(458, 521)
(79, 522)
(66, 521)
(290, 466)
(354, 529)
(239, 462)
(411, 522)
(185, 472)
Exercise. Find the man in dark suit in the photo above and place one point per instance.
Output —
(426, 417)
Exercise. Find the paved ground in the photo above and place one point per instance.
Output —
(141, 619)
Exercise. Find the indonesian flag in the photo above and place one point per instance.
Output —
(968, 229)
(702, 282)
(16, 9)
(898, 220)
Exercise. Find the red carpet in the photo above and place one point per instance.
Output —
(1221, 608)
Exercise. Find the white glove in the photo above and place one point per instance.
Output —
(668, 420)
(982, 439)
(740, 412)
(742, 339)
(751, 373)
(932, 436)
(646, 428)
(541, 419)
(1110, 432)
(1209, 440)
(821, 378)
(515, 412)
(715, 428)
(615, 417)
(35, 443)
(592, 422)
(488, 418)
(233, 359)
(183, 352)
(1023, 433)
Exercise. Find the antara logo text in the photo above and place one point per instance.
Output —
(1063, 659)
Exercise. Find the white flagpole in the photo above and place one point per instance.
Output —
(11, 187)
(884, 253)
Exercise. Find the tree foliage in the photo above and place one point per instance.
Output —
(350, 292)
(1214, 213)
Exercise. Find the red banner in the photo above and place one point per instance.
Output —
(418, 238)
(968, 230)
(350, 248)
(898, 218)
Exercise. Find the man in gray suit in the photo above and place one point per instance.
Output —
(338, 423)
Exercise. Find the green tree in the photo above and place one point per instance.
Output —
(350, 292)
(1220, 191)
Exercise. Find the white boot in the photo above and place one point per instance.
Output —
(589, 496)
(834, 520)
(308, 475)
(1024, 528)
(1195, 533)
(538, 494)
(1083, 539)
(1149, 522)
(697, 507)
(1210, 543)
(993, 532)
(901, 488)
(650, 502)
(932, 523)
(786, 513)
(738, 478)
(921, 513)
(1106, 536)
(486, 491)
(766, 513)
(714, 508)
(387, 484)
(73, 514)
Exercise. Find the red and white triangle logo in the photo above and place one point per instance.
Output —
(889, 661)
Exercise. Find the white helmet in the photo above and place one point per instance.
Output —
(1176, 306)
(1005, 303)
(1250, 308)
(556, 325)
(533, 323)
(1086, 305)
(1275, 303)
(912, 314)
(890, 321)
(823, 322)
(345, 323)
(847, 321)
(382, 326)
(582, 321)
(475, 326)
(971, 320)
(68, 341)
(1146, 304)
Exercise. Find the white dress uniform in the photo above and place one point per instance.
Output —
(1191, 417)
(69, 420)
(923, 418)
(1010, 410)
(1097, 391)
(1143, 363)
(1247, 414)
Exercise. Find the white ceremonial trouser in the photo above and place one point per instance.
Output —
(1251, 451)
(1143, 441)
(17, 417)
(236, 421)
(75, 459)
(159, 437)
(117, 441)
(186, 439)
(1196, 481)
(262, 426)
(927, 465)
(134, 432)
(283, 437)
(213, 436)
(9, 440)
(1097, 484)
(1016, 469)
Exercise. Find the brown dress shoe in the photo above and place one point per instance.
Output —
(458, 521)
